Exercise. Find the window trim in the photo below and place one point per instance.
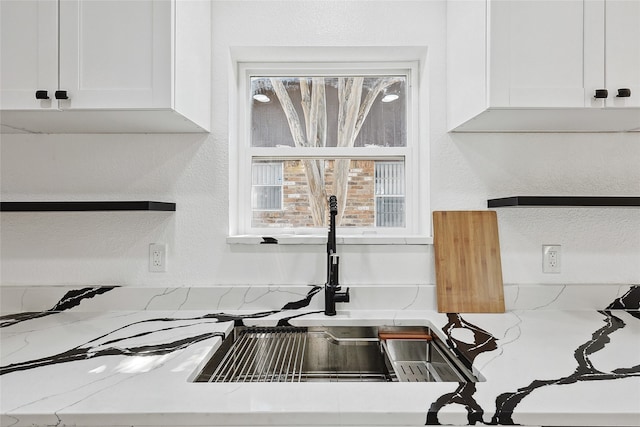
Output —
(240, 214)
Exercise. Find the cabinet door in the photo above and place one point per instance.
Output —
(536, 53)
(28, 53)
(116, 54)
(622, 51)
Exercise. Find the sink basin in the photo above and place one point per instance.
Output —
(333, 354)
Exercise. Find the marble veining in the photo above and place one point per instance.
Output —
(629, 301)
(467, 350)
(110, 364)
(507, 402)
(70, 300)
(121, 342)
(116, 342)
(482, 340)
(555, 298)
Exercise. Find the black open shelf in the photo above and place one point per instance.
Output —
(564, 201)
(86, 206)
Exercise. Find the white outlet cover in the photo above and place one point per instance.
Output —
(551, 258)
(157, 257)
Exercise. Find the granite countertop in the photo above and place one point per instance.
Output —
(72, 366)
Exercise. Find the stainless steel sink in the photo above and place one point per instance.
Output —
(332, 354)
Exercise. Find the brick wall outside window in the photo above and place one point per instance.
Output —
(360, 209)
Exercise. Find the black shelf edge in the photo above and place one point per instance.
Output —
(564, 201)
(86, 206)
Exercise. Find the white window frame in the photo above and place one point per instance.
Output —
(416, 196)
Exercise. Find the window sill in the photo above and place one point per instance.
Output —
(297, 239)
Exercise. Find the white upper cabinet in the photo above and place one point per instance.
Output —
(106, 66)
(115, 54)
(622, 52)
(28, 54)
(536, 53)
(535, 65)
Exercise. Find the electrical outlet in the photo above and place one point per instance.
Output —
(157, 257)
(551, 258)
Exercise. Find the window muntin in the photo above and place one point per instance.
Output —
(269, 137)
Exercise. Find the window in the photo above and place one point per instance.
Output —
(307, 132)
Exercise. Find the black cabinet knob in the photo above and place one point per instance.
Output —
(42, 94)
(601, 93)
(624, 93)
(61, 94)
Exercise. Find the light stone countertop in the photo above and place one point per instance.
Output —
(68, 366)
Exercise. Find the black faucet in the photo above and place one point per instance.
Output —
(332, 287)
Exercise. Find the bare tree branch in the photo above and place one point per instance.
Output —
(352, 113)
(349, 96)
(380, 86)
(314, 169)
(351, 116)
(290, 112)
(319, 111)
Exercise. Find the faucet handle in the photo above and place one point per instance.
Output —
(342, 296)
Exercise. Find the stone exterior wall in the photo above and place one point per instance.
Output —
(360, 209)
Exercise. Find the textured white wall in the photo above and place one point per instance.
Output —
(599, 245)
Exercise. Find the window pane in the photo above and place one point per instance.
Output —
(266, 190)
(390, 212)
(389, 178)
(267, 173)
(390, 202)
(267, 198)
(304, 207)
(353, 111)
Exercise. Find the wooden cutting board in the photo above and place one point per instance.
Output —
(468, 268)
